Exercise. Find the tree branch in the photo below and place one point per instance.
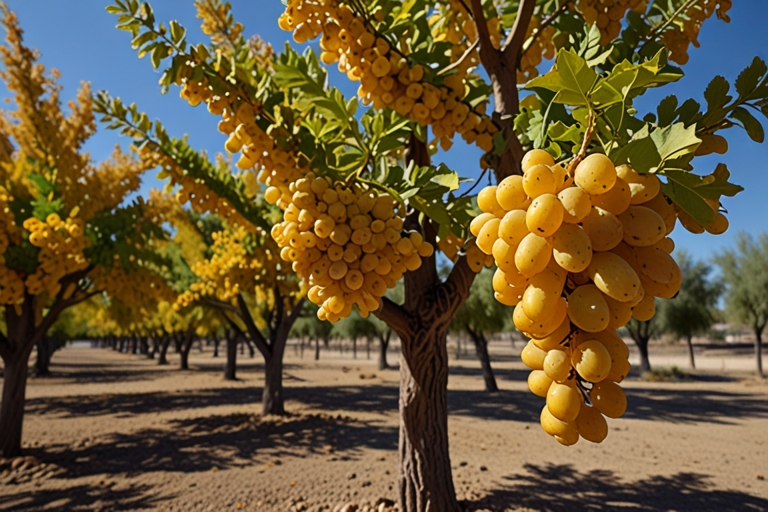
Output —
(5, 346)
(489, 55)
(544, 24)
(514, 43)
(394, 315)
(253, 331)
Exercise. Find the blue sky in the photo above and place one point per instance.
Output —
(78, 37)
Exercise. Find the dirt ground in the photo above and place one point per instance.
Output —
(112, 431)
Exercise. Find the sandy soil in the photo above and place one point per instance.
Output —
(112, 431)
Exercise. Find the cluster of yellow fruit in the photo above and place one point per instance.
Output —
(344, 240)
(607, 15)
(61, 244)
(677, 37)
(542, 47)
(451, 246)
(277, 166)
(11, 284)
(385, 75)
(579, 253)
(234, 268)
(139, 289)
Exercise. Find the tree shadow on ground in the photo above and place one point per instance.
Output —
(95, 373)
(199, 444)
(662, 403)
(81, 497)
(508, 374)
(562, 488)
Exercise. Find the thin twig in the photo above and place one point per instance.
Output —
(588, 133)
(547, 22)
(656, 31)
(456, 64)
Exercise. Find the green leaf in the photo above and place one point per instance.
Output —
(177, 32)
(750, 123)
(675, 141)
(666, 110)
(571, 79)
(716, 93)
(689, 191)
(749, 78)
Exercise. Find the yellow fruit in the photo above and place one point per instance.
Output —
(576, 204)
(536, 157)
(645, 309)
(539, 180)
(569, 438)
(478, 222)
(540, 329)
(532, 255)
(643, 187)
(572, 248)
(554, 426)
(555, 339)
(541, 296)
(510, 194)
(615, 200)
(613, 276)
(533, 356)
(564, 400)
(591, 360)
(609, 398)
(595, 174)
(718, 226)
(642, 226)
(604, 229)
(539, 383)
(513, 227)
(587, 308)
(591, 425)
(487, 202)
(545, 215)
(557, 365)
(488, 235)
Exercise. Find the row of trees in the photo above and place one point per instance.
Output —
(330, 202)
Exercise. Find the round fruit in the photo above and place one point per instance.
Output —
(608, 398)
(564, 400)
(595, 174)
(591, 360)
(591, 425)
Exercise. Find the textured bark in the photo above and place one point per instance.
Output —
(383, 346)
(642, 347)
(759, 350)
(43, 360)
(481, 348)
(272, 397)
(317, 349)
(690, 351)
(164, 343)
(184, 347)
(230, 369)
(12, 409)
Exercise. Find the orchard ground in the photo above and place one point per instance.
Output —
(111, 431)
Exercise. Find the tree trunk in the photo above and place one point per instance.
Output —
(481, 347)
(642, 347)
(272, 397)
(216, 342)
(43, 361)
(317, 349)
(383, 346)
(185, 347)
(425, 477)
(231, 365)
(368, 347)
(134, 344)
(690, 351)
(354, 348)
(155, 346)
(759, 351)
(12, 409)
(162, 359)
(143, 345)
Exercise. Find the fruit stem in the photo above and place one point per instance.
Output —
(588, 133)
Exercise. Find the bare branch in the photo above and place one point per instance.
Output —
(489, 55)
(394, 315)
(253, 331)
(516, 38)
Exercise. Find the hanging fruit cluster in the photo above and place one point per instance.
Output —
(344, 239)
(61, 244)
(685, 30)
(387, 78)
(607, 15)
(579, 253)
(277, 166)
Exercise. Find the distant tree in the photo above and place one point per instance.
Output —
(482, 315)
(310, 327)
(745, 272)
(641, 333)
(692, 310)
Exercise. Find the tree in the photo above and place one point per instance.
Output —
(64, 236)
(413, 60)
(691, 311)
(745, 273)
(641, 332)
(480, 316)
